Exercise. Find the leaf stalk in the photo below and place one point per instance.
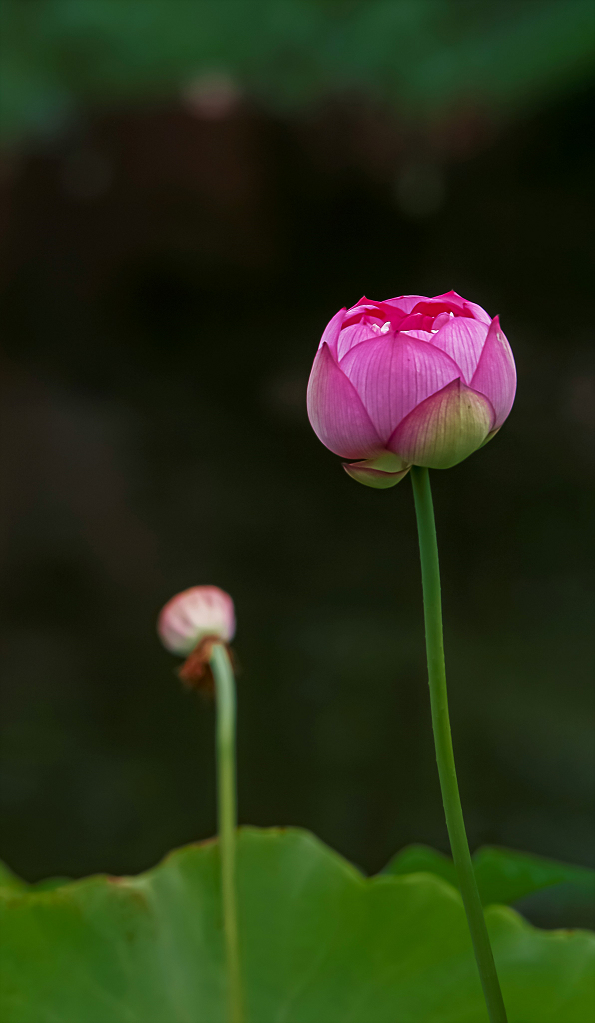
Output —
(227, 820)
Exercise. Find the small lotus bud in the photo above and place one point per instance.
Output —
(428, 379)
(194, 614)
(190, 623)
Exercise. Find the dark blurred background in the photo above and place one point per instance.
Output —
(190, 190)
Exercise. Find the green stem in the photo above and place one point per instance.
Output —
(227, 820)
(430, 573)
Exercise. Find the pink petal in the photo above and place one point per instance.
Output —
(363, 301)
(463, 339)
(441, 319)
(332, 330)
(351, 336)
(470, 308)
(371, 312)
(404, 303)
(445, 428)
(450, 303)
(336, 413)
(417, 321)
(495, 375)
(393, 309)
(421, 335)
(478, 312)
(393, 373)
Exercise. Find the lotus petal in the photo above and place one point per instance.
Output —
(450, 302)
(330, 334)
(393, 373)
(445, 428)
(336, 412)
(418, 321)
(463, 339)
(353, 335)
(370, 475)
(404, 303)
(470, 307)
(393, 309)
(421, 335)
(495, 375)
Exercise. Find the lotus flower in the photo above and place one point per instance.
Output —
(194, 615)
(410, 381)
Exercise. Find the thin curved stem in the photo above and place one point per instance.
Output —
(227, 821)
(430, 573)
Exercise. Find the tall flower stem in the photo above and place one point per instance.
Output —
(227, 820)
(430, 573)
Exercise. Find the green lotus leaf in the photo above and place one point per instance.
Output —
(320, 943)
(10, 882)
(503, 875)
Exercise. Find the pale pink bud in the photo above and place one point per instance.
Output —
(428, 380)
(191, 616)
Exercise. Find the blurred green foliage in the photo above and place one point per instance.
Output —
(318, 942)
(503, 875)
(422, 57)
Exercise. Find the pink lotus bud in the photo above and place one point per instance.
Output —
(197, 613)
(428, 380)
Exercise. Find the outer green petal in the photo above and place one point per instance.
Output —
(445, 428)
(381, 473)
(362, 472)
